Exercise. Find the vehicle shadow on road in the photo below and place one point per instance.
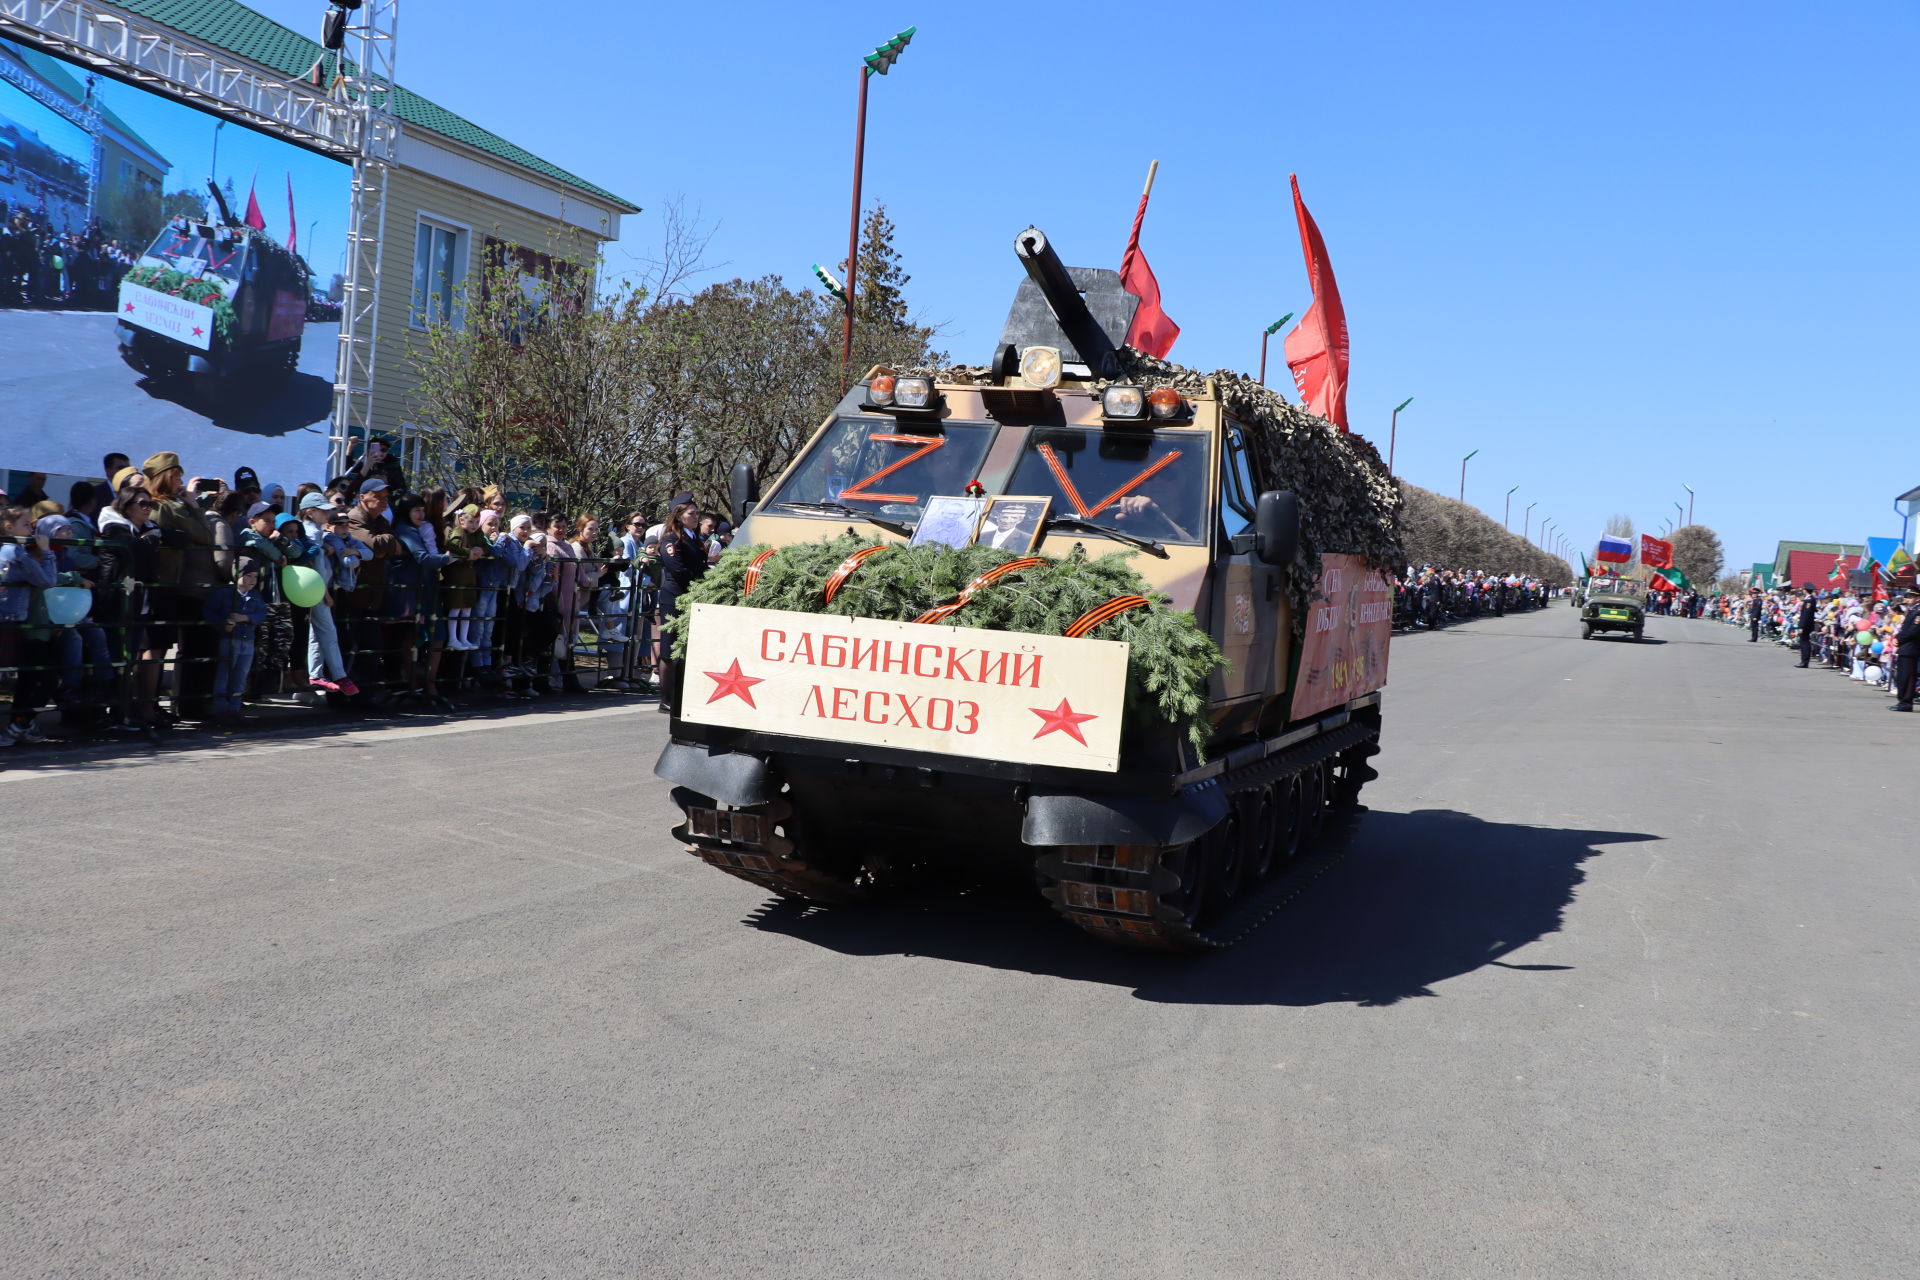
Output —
(1418, 898)
(296, 404)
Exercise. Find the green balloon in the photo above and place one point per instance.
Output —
(303, 586)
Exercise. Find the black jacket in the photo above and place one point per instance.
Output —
(1807, 610)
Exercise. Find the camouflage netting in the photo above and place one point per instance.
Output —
(1348, 503)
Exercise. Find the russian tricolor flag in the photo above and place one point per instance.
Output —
(1614, 550)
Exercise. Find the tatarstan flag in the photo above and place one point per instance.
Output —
(1668, 580)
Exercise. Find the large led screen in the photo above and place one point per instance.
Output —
(136, 314)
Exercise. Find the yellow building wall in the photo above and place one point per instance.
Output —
(412, 197)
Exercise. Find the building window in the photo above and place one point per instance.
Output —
(439, 262)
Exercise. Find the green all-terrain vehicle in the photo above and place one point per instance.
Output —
(1614, 604)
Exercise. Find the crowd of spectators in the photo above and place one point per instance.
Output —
(1874, 639)
(150, 599)
(1429, 597)
(41, 266)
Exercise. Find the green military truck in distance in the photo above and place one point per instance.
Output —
(821, 749)
(1614, 604)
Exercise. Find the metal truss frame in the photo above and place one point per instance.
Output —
(369, 87)
(106, 38)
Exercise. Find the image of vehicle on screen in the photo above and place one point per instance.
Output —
(214, 297)
(1614, 604)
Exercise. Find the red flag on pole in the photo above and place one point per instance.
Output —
(293, 225)
(1152, 330)
(255, 219)
(1654, 553)
(1317, 347)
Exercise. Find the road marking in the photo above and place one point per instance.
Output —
(269, 746)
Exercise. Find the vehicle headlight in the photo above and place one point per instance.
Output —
(880, 390)
(1124, 402)
(912, 393)
(1040, 367)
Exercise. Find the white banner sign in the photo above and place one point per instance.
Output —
(996, 695)
(164, 314)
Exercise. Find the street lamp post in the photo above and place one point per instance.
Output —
(875, 63)
(1463, 475)
(1526, 517)
(1689, 489)
(1544, 526)
(1506, 516)
(1682, 512)
(1266, 333)
(1393, 431)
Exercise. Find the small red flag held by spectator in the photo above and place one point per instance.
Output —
(1317, 347)
(1152, 330)
(293, 226)
(1654, 553)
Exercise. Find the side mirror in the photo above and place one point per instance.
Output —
(742, 491)
(1276, 527)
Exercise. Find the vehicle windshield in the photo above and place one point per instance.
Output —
(887, 468)
(1149, 484)
(183, 248)
(1615, 587)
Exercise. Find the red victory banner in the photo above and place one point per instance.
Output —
(1317, 347)
(1654, 553)
(998, 695)
(1153, 330)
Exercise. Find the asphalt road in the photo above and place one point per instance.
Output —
(71, 397)
(1617, 979)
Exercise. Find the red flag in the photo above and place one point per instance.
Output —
(1654, 553)
(1317, 347)
(255, 219)
(1152, 330)
(293, 225)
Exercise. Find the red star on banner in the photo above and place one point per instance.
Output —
(129, 306)
(1064, 718)
(731, 681)
(197, 331)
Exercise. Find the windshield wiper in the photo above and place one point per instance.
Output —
(1118, 535)
(842, 509)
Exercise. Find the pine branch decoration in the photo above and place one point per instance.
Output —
(1170, 658)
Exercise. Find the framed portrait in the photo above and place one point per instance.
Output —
(949, 521)
(1013, 523)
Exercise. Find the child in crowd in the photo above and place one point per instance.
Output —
(333, 556)
(237, 612)
(467, 546)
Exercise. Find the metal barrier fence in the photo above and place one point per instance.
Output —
(143, 644)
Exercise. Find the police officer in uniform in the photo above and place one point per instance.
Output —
(1907, 662)
(1753, 615)
(1806, 623)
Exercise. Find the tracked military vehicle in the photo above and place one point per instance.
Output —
(816, 755)
(214, 298)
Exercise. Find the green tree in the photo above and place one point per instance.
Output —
(885, 329)
(1697, 553)
(1449, 534)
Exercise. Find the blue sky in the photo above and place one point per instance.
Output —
(1617, 248)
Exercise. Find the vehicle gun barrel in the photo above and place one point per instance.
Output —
(1049, 275)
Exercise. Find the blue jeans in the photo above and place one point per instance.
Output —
(82, 657)
(486, 607)
(230, 669)
(323, 646)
